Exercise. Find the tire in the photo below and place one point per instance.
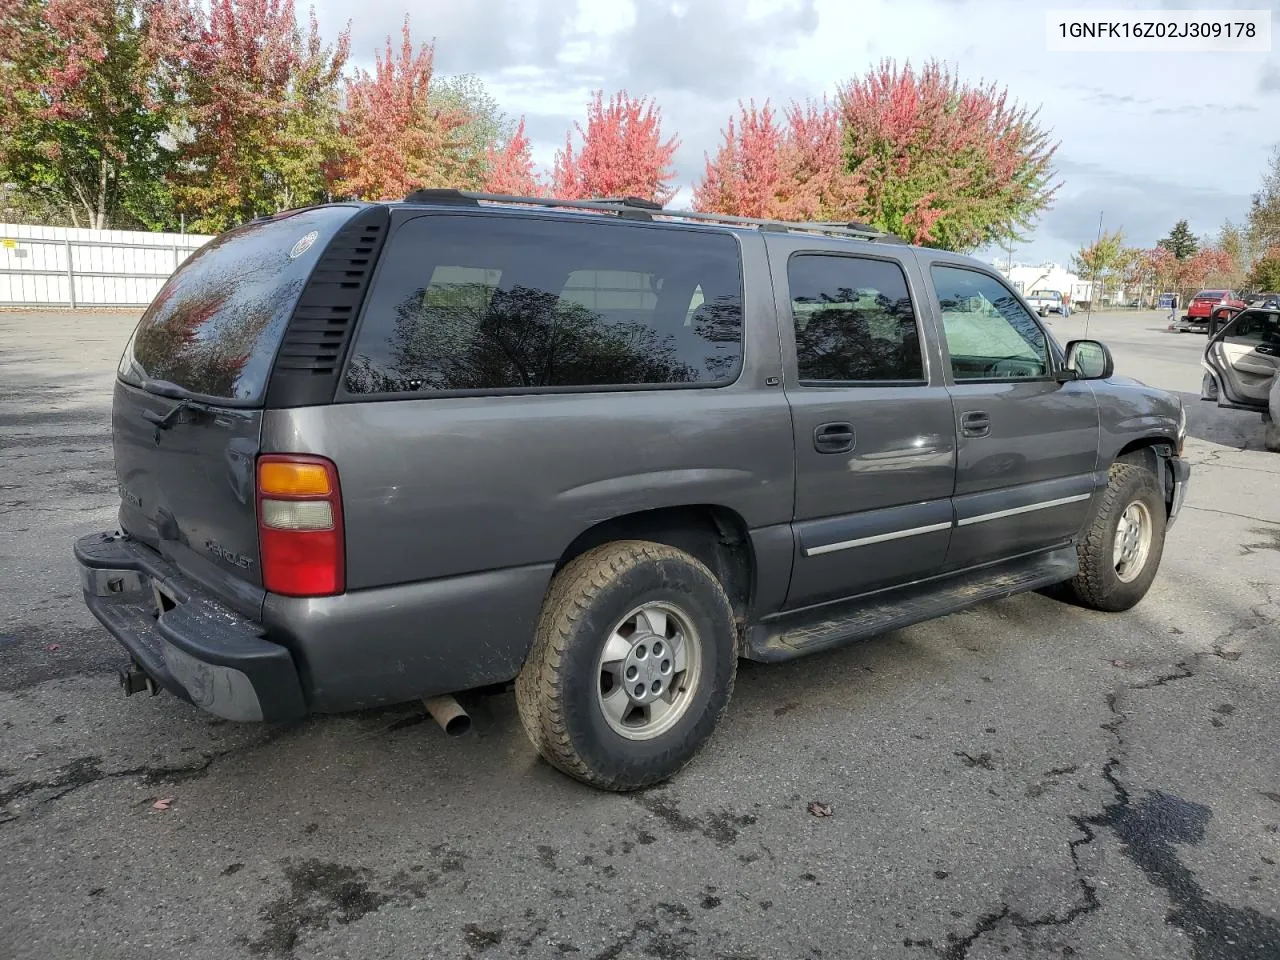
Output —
(1102, 582)
(615, 597)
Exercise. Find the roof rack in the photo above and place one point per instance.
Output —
(641, 209)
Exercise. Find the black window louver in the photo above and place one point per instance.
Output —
(311, 355)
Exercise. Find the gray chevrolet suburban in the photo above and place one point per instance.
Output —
(371, 453)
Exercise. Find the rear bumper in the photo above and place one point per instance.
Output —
(187, 642)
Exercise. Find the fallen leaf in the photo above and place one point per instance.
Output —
(820, 809)
(52, 646)
(162, 804)
(1120, 663)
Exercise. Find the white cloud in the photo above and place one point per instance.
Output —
(1148, 137)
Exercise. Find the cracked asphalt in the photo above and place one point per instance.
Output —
(1025, 779)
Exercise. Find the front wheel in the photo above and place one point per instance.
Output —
(1121, 548)
(632, 664)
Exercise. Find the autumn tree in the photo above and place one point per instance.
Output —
(397, 138)
(790, 170)
(85, 112)
(509, 166)
(260, 112)
(622, 153)
(1181, 242)
(1205, 268)
(944, 164)
(1104, 263)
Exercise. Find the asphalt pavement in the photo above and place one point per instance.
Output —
(1026, 779)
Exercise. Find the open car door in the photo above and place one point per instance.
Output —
(1244, 358)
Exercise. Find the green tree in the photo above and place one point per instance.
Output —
(1104, 263)
(485, 124)
(1180, 241)
(1265, 275)
(1263, 224)
(82, 129)
(1234, 242)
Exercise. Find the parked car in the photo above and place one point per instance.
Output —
(1241, 363)
(1045, 302)
(1209, 308)
(1269, 301)
(375, 452)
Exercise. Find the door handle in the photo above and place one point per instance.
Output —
(975, 423)
(833, 437)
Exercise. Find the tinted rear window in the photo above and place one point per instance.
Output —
(214, 327)
(488, 303)
(1211, 294)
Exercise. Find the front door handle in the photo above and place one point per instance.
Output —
(833, 437)
(975, 423)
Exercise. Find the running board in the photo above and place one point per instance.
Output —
(833, 625)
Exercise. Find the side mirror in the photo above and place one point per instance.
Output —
(1088, 360)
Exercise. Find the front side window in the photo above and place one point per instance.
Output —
(990, 336)
(495, 302)
(854, 321)
(1255, 327)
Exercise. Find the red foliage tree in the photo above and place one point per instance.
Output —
(261, 107)
(745, 178)
(916, 154)
(396, 139)
(622, 153)
(945, 164)
(1208, 266)
(510, 167)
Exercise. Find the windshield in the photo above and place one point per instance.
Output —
(214, 328)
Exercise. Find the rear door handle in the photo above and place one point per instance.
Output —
(833, 437)
(975, 423)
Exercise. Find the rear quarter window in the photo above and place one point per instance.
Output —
(486, 303)
(214, 328)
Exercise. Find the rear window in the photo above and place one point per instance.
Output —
(1211, 294)
(491, 303)
(214, 327)
(1044, 295)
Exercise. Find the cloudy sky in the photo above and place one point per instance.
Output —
(1145, 138)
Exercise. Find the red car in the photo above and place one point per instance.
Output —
(1209, 305)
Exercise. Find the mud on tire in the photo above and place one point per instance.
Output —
(1104, 581)
(646, 599)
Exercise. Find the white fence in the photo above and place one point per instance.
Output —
(63, 266)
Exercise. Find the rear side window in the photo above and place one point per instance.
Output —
(488, 303)
(854, 321)
(214, 328)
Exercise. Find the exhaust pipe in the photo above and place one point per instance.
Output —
(136, 680)
(447, 712)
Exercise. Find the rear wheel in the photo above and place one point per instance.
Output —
(632, 665)
(1121, 548)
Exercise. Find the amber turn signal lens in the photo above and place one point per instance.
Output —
(293, 479)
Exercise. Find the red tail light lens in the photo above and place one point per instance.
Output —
(300, 528)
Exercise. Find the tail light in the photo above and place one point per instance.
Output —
(300, 526)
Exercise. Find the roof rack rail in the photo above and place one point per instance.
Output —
(639, 208)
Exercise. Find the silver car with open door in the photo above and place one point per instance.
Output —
(1241, 364)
